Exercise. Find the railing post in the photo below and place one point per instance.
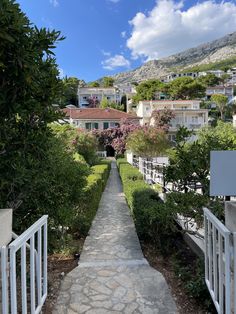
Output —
(4, 277)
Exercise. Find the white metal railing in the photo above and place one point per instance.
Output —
(4, 279)
(102, 154)
(218, 255)
(29, 299)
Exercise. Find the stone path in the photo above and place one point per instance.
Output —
(113, 276)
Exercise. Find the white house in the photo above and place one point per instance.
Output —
(224, 90)
(90, 97)
(187, 113)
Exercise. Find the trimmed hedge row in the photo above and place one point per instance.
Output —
(96, 183)
(151, 216)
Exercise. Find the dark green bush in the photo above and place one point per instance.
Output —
(152, 217)
(87, 208)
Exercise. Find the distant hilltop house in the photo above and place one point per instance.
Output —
(218, 73)
(97, 118)
(187, 113)
(90, 97)
(172, 76)
(223, 90)
(232, 74)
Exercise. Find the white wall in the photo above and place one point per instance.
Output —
(5, 226)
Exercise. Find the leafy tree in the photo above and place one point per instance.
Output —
(185, 88)
(224, 78)
(190, 161)
(221, 102)
(68, 93)
(108, 81)
(38, 175)
(116, 137)
(147, 90)
(209, 80)
(105, 103)
(86, 145)
(94, 84)
(149, 142)
(77, 141)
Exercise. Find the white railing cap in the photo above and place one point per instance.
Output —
(25, 236)
(216, 221)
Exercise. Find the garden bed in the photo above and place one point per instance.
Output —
(183, 271)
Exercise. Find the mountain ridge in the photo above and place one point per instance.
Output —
(210, 52)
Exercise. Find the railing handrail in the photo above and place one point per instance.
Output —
(25, 236)
(216, 221)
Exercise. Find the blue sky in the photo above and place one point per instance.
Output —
(104, 37)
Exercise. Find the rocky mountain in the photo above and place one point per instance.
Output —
(212, 52)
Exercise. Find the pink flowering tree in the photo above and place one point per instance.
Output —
(93, 102)
(162, 118)
(116, 137)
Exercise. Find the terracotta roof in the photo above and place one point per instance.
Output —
(98, 114)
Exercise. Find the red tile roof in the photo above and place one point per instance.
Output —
(97, 114)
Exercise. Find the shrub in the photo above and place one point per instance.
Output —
(149, 142)
(152, 217)
(92, 193)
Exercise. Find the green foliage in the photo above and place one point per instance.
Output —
(94, 84)
(192, 274)
(86, 144)
(77, 141)
(108, 81)
(150, 142)
(221, 102)
(185, 88)
(147, 90)
(154, 219)
(69, 89)
(105, 103)
(190, 161)
(209, 80)
(31, 176)
(92, 193)
(53, 188)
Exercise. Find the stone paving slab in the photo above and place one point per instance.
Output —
(113, 276)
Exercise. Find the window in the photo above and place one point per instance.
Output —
(172, 137)
(105, 125)
(90, 126)
(84, 97)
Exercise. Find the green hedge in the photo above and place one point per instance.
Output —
(96, 183)
(150, 215)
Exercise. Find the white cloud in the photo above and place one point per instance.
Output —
(168, 28)
(123, 34)
(114, 1)
(115, 62)
(55, 3)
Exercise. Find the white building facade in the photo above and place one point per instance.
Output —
(223, 90)
(90, 97)
(187, 113)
